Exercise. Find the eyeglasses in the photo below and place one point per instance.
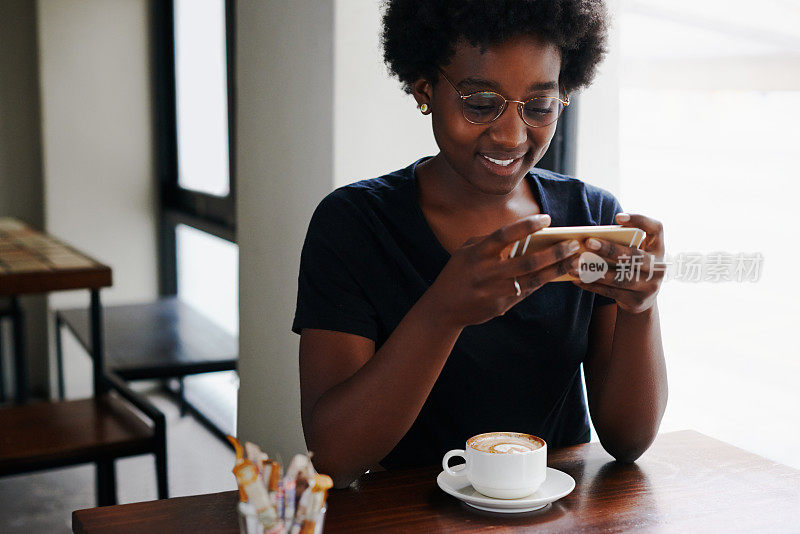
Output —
(486, 106)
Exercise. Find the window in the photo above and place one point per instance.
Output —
(194, 73)
(201, 89)
(207, 277)
(709, 95)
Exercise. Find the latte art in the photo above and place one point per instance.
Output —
(505, 442)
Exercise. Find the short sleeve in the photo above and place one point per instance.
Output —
(609, 207)
(329, 296)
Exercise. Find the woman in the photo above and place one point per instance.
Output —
(417, 332)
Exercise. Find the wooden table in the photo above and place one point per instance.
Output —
(33, 262)
(686, 482)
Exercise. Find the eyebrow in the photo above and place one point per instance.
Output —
(481, 83)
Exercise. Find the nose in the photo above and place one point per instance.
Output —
(509, 130)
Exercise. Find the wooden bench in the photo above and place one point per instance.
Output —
(47, 435)
(163, 339)
(114, 423)
(63, 433)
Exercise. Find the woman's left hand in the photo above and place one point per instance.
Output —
(637, 278)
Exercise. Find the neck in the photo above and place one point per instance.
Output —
(444, 189)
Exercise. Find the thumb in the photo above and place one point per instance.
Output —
(474, 239)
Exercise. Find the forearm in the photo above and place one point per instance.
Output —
(356, 423)
(631, 396)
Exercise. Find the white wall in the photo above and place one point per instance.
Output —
(598, 150)
(316, 109)
(20, 166)
(377, 127)
(285, 166)
(20, 147)
(97, 140)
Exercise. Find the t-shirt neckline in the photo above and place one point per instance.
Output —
(533, 180)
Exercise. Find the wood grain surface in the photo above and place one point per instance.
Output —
(33, 262)
(48, 434)
(686, 482)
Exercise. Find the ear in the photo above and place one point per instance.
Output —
(422, 91)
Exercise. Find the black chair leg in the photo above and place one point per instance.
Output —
(20, 363)
(161, 474)
(59, 359)
(106, 483)
(2, 360)
(160, 440)
(96, 332)
(182, 393)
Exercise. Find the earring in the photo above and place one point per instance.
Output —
(423, 108)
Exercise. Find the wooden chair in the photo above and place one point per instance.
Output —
(116, 422)
(162, 339)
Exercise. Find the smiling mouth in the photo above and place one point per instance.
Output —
(502, 166)
(501, 162)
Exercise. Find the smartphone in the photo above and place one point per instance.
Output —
(546, 237)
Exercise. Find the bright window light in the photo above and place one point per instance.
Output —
(207, 276)
(201, 96)
(708, 142)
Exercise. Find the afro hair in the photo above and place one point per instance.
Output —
(420, 35)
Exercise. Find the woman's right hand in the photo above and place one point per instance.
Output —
(477, 285)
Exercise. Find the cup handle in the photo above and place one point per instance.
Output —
(448, 469)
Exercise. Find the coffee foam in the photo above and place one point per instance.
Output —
(505, 442)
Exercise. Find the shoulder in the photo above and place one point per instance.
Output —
(357, 204)
(379, 189)
(573, 196)
(563, 184)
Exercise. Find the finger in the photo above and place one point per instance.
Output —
(633, 301)
(529, 263)
(495, 242)
(616, 293)
(654, 240)
(474, 239)
(634, 280)
(633, 220)
(615, 253)
(646, 282)
(533, 281)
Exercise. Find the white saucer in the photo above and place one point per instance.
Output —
(556, 485)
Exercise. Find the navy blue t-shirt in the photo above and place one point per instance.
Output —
(370, 254)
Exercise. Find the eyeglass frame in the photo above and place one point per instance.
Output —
(520, 104)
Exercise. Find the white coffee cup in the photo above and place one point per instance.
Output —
(503, 465)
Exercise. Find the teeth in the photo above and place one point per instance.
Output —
(501, 162)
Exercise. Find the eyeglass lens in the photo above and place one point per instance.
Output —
(481, 108)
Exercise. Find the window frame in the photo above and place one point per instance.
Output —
(561, 156)
(208, 213)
